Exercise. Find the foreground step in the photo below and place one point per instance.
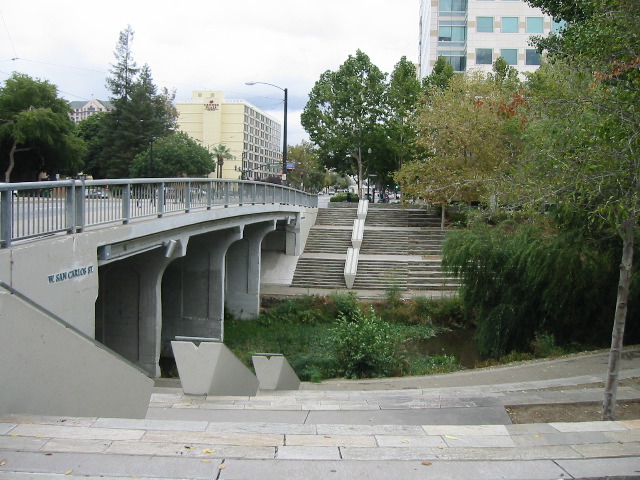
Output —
(100, 447)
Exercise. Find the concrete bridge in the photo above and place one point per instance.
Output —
(129, 265)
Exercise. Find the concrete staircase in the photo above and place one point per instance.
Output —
(401, 247)
(319, 272)
(441, 427)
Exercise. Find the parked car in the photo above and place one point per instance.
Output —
(96, 193)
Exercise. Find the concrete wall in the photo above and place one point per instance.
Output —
(50, 368)
(125, 287)
(278, 267)
(60, 274)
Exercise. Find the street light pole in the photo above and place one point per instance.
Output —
(284, 133)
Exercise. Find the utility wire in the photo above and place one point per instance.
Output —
(15, 54)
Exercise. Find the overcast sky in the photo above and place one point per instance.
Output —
(206, 44)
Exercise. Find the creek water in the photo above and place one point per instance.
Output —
(457, 343)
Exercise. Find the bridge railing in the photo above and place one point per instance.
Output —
(34, 209)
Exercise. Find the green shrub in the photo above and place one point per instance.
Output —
(544, 345)
(393, 295)
(314, 367)
(443, 313)
(343, 304)
(364, 346)
(342, 197)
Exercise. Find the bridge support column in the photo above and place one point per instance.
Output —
(129, 310)
(243, 271)
(150, 303)
(293, 237)
(193, 289)
(218, 248)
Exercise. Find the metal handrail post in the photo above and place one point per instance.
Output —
(209, 191)
(161, 199)
(126, 203)
(187, 198)
(75, 207)
(6, 212)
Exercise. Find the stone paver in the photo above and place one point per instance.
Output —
(435, 432)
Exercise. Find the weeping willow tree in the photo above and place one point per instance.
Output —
(523, 278)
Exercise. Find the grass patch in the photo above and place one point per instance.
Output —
(328, 337)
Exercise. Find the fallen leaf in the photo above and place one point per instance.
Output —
(221, 466)
(425, 463)
(404, 441)
(205, 461)
(450, 437)
(68, 472)
(3, 462)
(536, 436)
(440, 447)
(207, 450)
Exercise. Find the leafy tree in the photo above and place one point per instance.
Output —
(176, 155)
(440, 76)
(36, 133)
(346, 112)
(308, 169)
(505, 75)
(91, 130)
(140, 114)
(468, 132)
(527, 277)
(221, 153)
(404, 95)
(584, 133)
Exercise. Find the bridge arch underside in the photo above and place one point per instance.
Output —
(180, 288)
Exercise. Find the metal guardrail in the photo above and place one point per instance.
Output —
(36, 209)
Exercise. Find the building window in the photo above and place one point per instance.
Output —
(484, 56)
(532, 57)
(509, 24)
(485, 24)
(453, 5)
(459, 63)
(452, 34)
(510, 55)
(535, 25)
(557, 27)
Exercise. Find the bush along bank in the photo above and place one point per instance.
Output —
(339, 336)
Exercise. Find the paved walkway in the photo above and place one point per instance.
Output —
(439, 427)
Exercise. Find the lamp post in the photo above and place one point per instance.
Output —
(151, 140)
(284, 133)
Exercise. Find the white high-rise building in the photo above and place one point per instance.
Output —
(472, 34)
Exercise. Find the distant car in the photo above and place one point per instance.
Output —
(96, 193)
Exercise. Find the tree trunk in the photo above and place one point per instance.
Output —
(12, 163)
(611, 386)
(443, 216)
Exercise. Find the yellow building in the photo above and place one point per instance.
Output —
(252, 136)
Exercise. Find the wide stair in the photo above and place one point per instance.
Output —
(321, 266)
(401, 249)
(439, 427)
